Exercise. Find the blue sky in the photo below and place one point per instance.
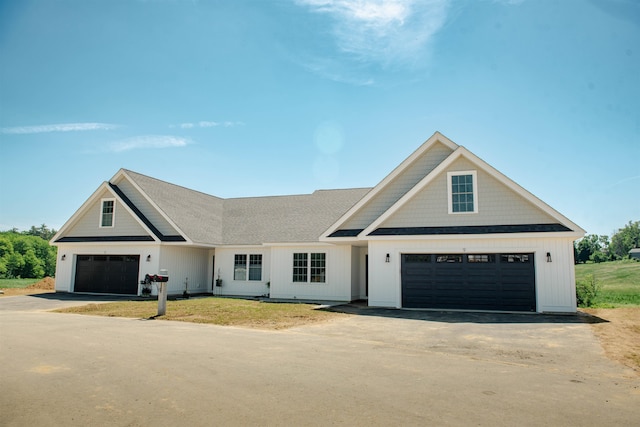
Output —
(249, 98)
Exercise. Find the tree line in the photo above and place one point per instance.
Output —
(600, 248)
(27, 254)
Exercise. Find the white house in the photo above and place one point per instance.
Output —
(444, 230)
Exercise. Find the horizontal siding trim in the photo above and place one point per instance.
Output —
(73, 239)
(470, 229)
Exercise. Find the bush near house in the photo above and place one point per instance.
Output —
(27, 254)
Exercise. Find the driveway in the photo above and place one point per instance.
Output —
(377, 367)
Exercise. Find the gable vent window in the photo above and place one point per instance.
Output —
(108, 210)
(463, 192)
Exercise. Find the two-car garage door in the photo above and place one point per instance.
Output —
(111, 274)
(469, 281)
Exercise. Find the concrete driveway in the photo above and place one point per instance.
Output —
(378, 367)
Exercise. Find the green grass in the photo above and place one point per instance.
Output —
(619, 282)
(17, 283)
(218, 311)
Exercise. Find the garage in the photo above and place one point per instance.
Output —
(504, 282)
(109, 274)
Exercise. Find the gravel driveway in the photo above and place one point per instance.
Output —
(377, 367)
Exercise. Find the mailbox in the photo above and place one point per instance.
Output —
(157, 278)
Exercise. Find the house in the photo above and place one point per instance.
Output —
(634, 253)
(444, 230)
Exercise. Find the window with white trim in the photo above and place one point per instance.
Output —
(463, 192)
(107, 212)
(309, 267)
(243, 264)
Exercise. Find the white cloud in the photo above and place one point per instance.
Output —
(206, 124)
(147, 142)
(383, 31)
(63, 127)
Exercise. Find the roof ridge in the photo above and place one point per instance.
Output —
(128, 171)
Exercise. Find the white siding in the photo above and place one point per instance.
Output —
(185, 264)
(225, 258)
(555, 281)
(338, 274)
(65, 270)
(398, 187)
(497, 205)
(89, 224)
(146, 208)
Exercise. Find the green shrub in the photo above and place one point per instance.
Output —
(587, 290)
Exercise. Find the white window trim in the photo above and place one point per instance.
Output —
(113, 214)
(308, 281)
(474, 174)
(247, 267)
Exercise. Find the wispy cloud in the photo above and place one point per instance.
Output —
(147, 142)
(62, 127)
(382, 31)
(206, 124)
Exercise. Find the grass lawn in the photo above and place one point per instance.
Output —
(218, 311)
(16, 283)
(619, 281)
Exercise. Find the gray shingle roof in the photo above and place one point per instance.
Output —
(208, 219)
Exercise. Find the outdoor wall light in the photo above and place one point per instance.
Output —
(548, 256)
(64, 256)
(148, 258)
(387, 258)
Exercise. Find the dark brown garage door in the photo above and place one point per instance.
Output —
(109, 274)
(469, 281)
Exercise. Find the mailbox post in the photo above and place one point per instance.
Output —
(160, 280)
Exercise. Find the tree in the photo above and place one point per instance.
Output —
(587, 246)
(625, 239)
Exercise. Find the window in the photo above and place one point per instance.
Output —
(299, 267)
(463, 190)
(309, 272)
(514, 258)
(481, 258)
(240, 267)
(449, 258)
(318, 267)
(106, 217)
(254, 267)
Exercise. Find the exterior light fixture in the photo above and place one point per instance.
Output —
(548, 256)
(387, 258)
(148, 258)
(64, 256)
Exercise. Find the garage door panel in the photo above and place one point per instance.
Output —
(478, 282)
(114, 274)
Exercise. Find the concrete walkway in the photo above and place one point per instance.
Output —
(393, 368)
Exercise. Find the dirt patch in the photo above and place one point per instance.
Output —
(619, 334)
(48, 284)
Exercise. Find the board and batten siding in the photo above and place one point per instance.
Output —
(225, 262)
(152, 214)
(338, 274)
(393, 191)
(88, 224)
(184, 264)
(555, 280)
(65, 269)
(497, 204)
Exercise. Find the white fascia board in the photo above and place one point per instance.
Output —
(282, 244)
(568, 234)
(123, 173)
(441, 168)
(436, 137)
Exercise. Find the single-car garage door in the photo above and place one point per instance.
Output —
(110, 274)
(469, 281)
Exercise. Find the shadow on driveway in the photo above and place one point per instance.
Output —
(361, 309)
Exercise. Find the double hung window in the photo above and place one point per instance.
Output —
(463, 192)
(107, 212)
(309, 267)
(251, 264)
